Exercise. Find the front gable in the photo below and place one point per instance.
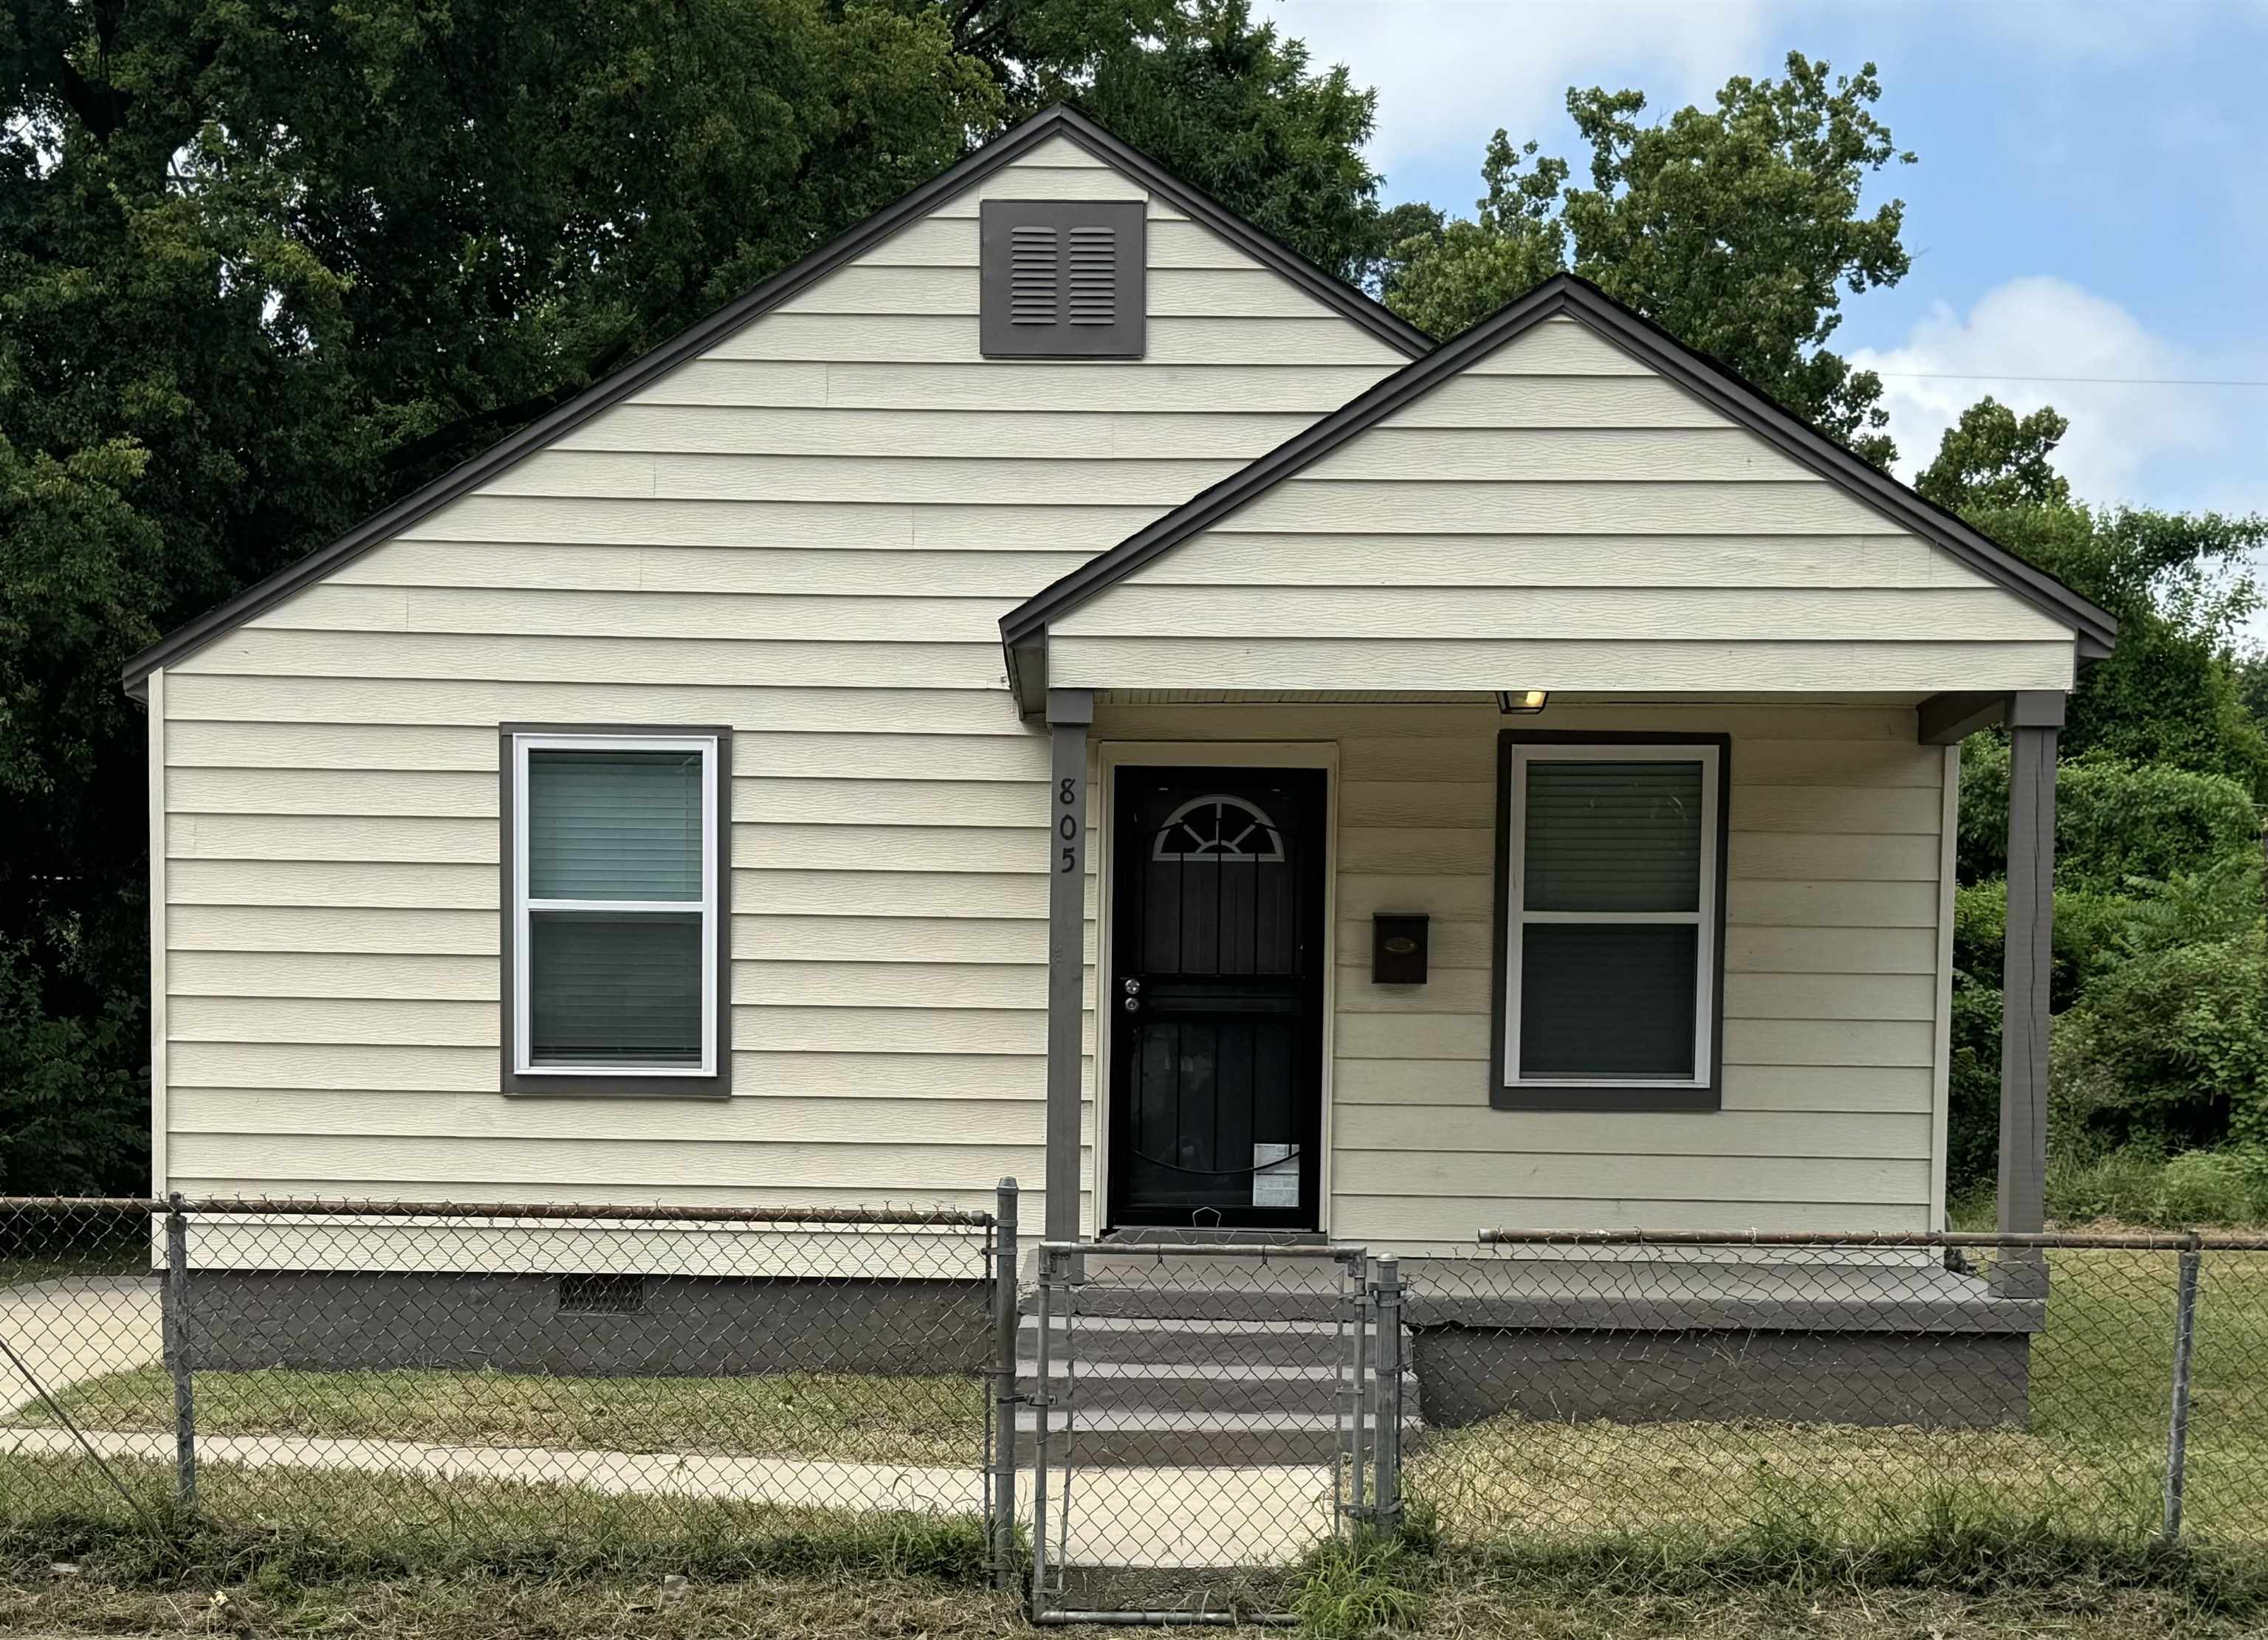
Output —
(1562, 500)
(847, 403)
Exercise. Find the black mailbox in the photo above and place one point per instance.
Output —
(1397, 949)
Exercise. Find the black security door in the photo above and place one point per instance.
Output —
(1215, 986)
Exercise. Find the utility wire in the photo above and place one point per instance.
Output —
(2124, 381)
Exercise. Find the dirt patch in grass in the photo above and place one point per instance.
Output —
(1466, 1607)
(924, 1421)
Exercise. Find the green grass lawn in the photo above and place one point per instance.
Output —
(927, 1421)
(2090, 1461)
(2087, 1464)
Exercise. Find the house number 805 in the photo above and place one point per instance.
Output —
(1067, 825)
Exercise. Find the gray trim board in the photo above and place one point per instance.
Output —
(2096, 629)
(1069, 714)
(2026, 958)
(1950, 718)
(520, 1086)
(1603, 1099)
(1060, 120)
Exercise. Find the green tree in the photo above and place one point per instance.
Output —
(1233, 107)
(1737, 229)
(2172, 692)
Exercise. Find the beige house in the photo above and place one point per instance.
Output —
(1053, 686)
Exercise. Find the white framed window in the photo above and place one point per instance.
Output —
(1611, 890)
(615, 877)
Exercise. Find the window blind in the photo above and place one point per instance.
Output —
(614, 988)
(1613, 836)
(614, 825)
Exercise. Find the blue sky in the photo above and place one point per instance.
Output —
(2091, 198)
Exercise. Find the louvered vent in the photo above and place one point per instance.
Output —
(1032, 276)
(1061, 278)
(1093, 276)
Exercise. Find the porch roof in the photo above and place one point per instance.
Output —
(1564, 498)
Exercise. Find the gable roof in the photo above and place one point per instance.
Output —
(1566, 294)
(1059, 120)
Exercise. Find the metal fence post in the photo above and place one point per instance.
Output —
(1003, 1389)
(1386, 1299)
(177, 1352)
(1050, 1272)
(2177, 1427)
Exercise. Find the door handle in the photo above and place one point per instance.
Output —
(1133, 989)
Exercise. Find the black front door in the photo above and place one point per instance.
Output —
(1215, 987)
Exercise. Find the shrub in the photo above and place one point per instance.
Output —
(2114, 819)
(2174, 1043)
(2139, 1184)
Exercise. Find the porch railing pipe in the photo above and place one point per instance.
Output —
(177, 1331)
(2177, 1424)
(1003, 1386)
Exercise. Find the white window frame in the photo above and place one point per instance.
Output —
(523, 906)
(1703, 920)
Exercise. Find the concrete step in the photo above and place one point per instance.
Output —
(1243, 1343)
(1201, 1386)
(1120, 1438)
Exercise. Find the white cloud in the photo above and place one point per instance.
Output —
(2037, 327)
(1450, 71)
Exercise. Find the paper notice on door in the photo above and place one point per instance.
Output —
(1275, 1176)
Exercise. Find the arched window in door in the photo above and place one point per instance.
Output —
(1219, 825)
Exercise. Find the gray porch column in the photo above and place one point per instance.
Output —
(2033, 718)
(1070, 711)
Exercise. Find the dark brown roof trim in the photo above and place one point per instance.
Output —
(1708, 379)
(1061, 120)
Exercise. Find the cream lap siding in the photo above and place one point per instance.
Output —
(1831, 997)
(809, 533)
(1556, 517)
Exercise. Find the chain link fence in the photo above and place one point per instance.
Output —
(1845, 1391)
(554, 1381)
(1131, 1429)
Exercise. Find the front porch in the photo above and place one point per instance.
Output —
(1815, 1101)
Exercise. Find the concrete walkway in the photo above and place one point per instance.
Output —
(1135, 1517)
(76, 1327)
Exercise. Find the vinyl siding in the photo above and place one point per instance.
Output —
(1834, 1012)
(809, 533)
(1557, 517)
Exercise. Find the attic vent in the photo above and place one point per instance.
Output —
(1032, 276)
(1062, 278)
(1094, 275)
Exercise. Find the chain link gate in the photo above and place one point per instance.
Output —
(1198, 1418)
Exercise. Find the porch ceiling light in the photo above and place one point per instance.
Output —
(1521, 700)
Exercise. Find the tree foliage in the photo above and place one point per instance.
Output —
(1736, 228)
(2161, 1036)
(2173, 690)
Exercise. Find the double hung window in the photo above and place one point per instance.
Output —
(615, 876)
(1610, 887)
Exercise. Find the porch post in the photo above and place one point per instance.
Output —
(1070, 712)
(2033, 718)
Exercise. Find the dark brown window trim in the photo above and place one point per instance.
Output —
(1708, 1097)
(537, 1085)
